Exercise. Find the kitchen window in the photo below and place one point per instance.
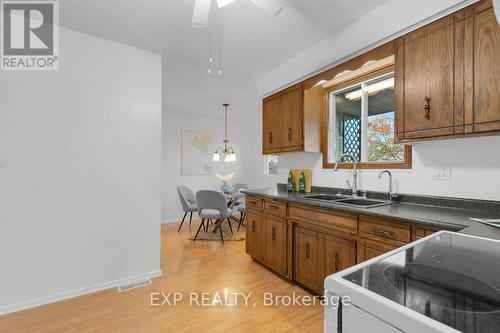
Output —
(271, 164)
(361, 123)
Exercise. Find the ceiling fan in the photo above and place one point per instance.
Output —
(202, 9)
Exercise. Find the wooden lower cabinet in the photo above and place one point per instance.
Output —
(306, 258)
(318, 255)
(339, 254)
(306, 245)
(275, 241)
(369, 249)
(254, 234)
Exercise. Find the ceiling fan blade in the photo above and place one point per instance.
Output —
(224, 3)
(200, 13)
(271, 7)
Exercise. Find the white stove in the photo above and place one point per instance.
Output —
(446, 282)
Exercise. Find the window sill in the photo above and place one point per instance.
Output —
(406, 164)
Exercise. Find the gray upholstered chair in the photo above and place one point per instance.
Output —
(212, 205)
(243, 214)
(188, 201)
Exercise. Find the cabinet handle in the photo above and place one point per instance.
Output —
(289, 134)
(384, 233)
(273, 234)
(336, 264)
(427, 107)
(274, 207)
(252, 202)
(253, 226)
(307, 251)
(270, 137)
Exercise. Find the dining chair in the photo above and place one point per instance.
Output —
(243, 214)
(188, 202)
(212, 205)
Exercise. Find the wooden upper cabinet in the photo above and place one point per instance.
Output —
(447, 76)
(289, 123)
(482, 66)
(271, 134)
(291, 120)
(426, 61)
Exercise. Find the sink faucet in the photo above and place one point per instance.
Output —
(389, 193)
(354, 171)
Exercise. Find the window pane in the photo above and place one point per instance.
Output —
(346, 123)
(271, 165)
(380, 122)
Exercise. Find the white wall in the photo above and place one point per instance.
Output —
(474, 162)
(380, 24)
(245, 166)
(80, 173)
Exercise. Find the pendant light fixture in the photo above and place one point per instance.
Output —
(227, 154)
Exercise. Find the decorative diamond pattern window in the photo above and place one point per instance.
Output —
(351, 132)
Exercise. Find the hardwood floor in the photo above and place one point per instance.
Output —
(205, 266)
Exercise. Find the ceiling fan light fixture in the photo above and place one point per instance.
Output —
(224, 3)
(200, 13)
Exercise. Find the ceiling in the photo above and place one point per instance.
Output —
(252, 42)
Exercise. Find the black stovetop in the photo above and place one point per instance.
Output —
(452, 278)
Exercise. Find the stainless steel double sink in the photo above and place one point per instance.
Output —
(349, 200)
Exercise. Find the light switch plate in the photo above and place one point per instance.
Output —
(441, 172)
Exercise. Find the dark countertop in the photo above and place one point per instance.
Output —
(455, 219)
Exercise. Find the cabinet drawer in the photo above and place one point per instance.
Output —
(325, 219)
(384, 230)
(275, 207)
(254, 203)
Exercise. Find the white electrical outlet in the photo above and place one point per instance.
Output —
(441, 172)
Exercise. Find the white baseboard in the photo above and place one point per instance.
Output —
(78, 292)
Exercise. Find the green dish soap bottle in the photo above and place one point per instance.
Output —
(302, 183)
(290, 182)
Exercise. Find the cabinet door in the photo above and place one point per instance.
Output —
(425, 81)
(339, 254)
(483, 69)
(291, 120)
(368, 249)
(275, 243)
(254, 234)
(271, 135)
(306, 259)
